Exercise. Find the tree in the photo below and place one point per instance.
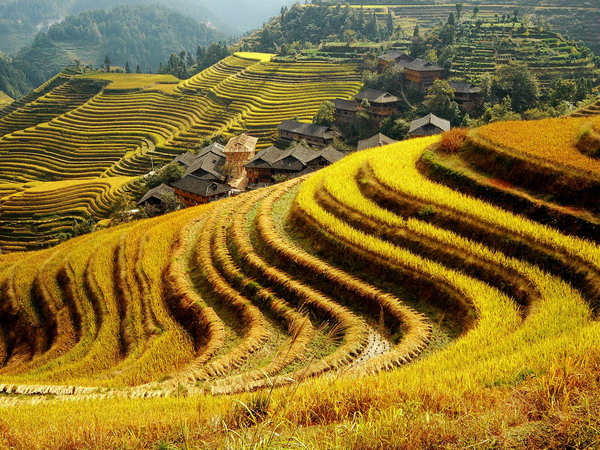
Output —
(127, 68)
(563, 91)
(451, 20)
(107, 63)
(440, 101)
(390, 23)
(138, 69)
(326, 114)
(395, 127)
(517, 82)
(167, 174)
(349, 36)
(475, 11)
(459, 8)
(372, 28)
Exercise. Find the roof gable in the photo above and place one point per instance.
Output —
(432, 119)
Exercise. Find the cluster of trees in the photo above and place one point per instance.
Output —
(184, 64)
(321, 22)
(19, 77)
(141, 34)
(140, 37)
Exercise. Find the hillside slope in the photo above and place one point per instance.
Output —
(450, 301)
(579, 19)
(94, 126)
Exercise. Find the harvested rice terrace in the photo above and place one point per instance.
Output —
(348, 272)
(95, 127)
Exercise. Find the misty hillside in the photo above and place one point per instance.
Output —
(21, 20)
(143, 35)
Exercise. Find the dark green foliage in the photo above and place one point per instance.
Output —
(166, 174)
(184, 65)
(317, 23)
(138, 35)
(325, 115)
(439, 101)
(516, 82)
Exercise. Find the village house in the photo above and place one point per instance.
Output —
(428, 126)
(391, 58)
(417, 71)
(317, 135)
(290, 163)
(193, 191)
(156, 196)
(466, 95)
(379, 105)
(208, 163)
(379, 140)
(345, 111)
(422, 73)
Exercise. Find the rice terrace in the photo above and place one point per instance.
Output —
(359, 226)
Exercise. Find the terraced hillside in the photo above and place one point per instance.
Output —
(480, 49)
(97, 126)
(577, 19)
(443, 298)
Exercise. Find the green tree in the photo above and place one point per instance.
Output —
(326, 114)
(459, 8)
(107, 63)
(517, 82)
(440, 101)
(127, 68)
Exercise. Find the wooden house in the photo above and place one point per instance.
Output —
(422, 73)
(466, 95)
(290, 163)
(194, 191)
(157, 195)
(392, 57)
(317, 135)
(345, 111)
(238, 151)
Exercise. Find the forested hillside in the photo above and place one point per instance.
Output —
(142, 35)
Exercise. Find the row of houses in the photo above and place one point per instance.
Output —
(219, 171)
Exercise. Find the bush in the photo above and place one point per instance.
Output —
(453, 140)
(588, 141)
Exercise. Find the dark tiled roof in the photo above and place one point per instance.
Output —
(432, 119)
(159, 193)
(463, 87)
(421, 65)
(345, 105)
(379, 140)
(294, 159)
(185, 159)
(307, 129)
(208, 163)
(198, 186)
(375, 96)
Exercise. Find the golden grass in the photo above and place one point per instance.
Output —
(549, 140)
(152, 308)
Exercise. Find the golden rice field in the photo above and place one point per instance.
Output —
(5, 100)
(104, 127)
(365, 306)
